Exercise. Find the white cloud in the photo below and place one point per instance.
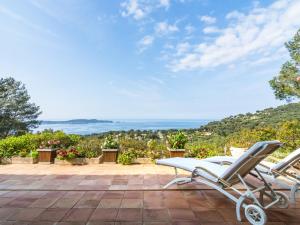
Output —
(163, 28)
(182, 48)
(251, 35)
(165, 3)
(139, 9)
(145, 42)
(135, 9)
(189, 29)
(211, 30)
(208, 19)
(235, 15)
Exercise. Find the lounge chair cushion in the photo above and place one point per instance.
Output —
(287, 161)
(281, 165)
(221, 159)
(250, 159)
(242, 166)
(190, 164)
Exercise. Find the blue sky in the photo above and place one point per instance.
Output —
(146, 58)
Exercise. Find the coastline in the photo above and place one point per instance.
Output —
(124, 125)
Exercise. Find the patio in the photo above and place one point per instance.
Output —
(113, 194)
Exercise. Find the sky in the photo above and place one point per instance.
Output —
(146, 59)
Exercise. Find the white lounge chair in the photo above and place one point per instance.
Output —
(283, 173)
(220, 177)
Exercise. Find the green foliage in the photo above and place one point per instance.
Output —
(110, 143)
(17, 114)
(289, 133)
(247, 137)
(90, 147)
(265, 118)
(127, 157)
(205, 146)
(71, 155)
(177, 140)
(138, 146)
(156, 149)
(23, 153)
(34, 154)
(287, 84)
(24, 144)
(12, 146)
(47, 138)
(68, 154)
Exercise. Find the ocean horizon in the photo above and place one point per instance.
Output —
(125, 125)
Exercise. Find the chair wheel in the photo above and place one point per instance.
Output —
(283, 202)
(255, 215)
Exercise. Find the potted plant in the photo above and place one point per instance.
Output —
(47, 151)
(110, 149)
(176, 143)
(90, 149)
(70, 156)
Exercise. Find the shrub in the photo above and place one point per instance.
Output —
(12, 146)
(90, 147)
(177, 140)
(247, 137)
(24, 144)
(34, 154)
(110, 143)
(138, 146)
(50, 144)
(202, 151)
(289, 133)
(53, 137)
(156, 150)
(205, 146)
(61, 154)
(22, 153)
(127, 157)
(69, 154)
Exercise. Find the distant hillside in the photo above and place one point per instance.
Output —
(76, 121)
(270, 117)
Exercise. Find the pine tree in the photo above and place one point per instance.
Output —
(17, 114)
(286, 85)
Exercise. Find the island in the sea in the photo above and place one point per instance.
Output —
(75, 121)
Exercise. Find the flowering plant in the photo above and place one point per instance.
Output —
(50, 144)
(68, 154)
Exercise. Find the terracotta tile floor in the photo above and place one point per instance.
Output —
(114, 195)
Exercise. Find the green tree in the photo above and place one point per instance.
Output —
(247, 137)
(287, 84)
(289, 134)
(17, 114)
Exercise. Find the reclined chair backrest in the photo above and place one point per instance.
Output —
(288, 161)
(249, 160)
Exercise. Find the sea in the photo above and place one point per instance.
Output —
(124, 125)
